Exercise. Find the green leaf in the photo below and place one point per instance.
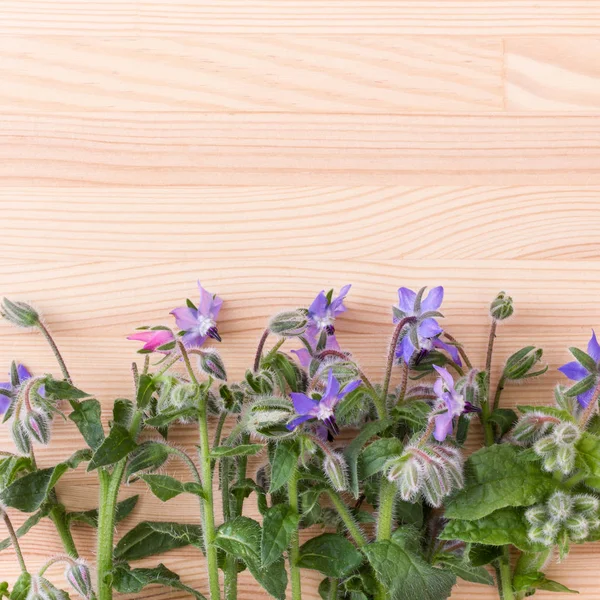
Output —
(29, 492)
(283, 464)
(55, 389)
(241, 450)
(505, 418)
(11, 467)
(146, 387)
(409, 513)
(586, 384)
(279, 523)
(31, 522)
(499, 476)
(164, 487)
(461, 568)
(375, 455)
(132, 581)
(149, 538)
(148, 456)
(500, 528)
(21, 589)
(123, 412)
(352, 451)
(406, 575)
(537, 580)
(167, 417)
(240, 537)
(116, 446)
(584, 359)
(87, 415)
(413, 414)
(588, 458)
(90, 517)
(480, 554)
(330, 554)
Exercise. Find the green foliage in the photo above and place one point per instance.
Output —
(90, 517)
(330, 554)
(21, 588)
(145, 389)
(148, 457)
(406, 574)
(499, 476)
(279, 523)
(116, 446)
(375, 455)
(588, 458)
(241, 450)
(60, 389)
(536, 580)
(149, 538)
(465, 570)
(283, 464)
(165, 487)
(87, 416)
(31, 522)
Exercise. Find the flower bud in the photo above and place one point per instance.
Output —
(531, 426)
(211, 363)
(184, 395)
(343, 370)
(544, 446)
(578, 527)
(335, 468)
(42, 589)
(20, 437)
(38, 426)
(522, 363)
(559, 506)
(594, 523)
(408, 475)
(539, 535)
(501, 307)
(19, 314)
(291, 323)
(566, 434)
(565, 459)
(536, 515)
(586, 504)
(78, 575)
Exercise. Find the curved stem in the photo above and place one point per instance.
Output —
(259, 349)
(498, 393)
(56, 351)
(403, 384)
(488, 432)
(58, 517)
(15, 540)
(294, 553)
(351, 525)
(54, 561)
(460, 349)
(490, 348)
(219, 429)
(167, 366)
(391, 354)
(188, 364)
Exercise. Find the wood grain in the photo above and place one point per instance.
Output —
(272, 148)
(405, 17)
(178, 149)
(372, 74)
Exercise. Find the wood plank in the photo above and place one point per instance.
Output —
(372, 74)
(406, 17)
(552, 74)
(175, 149)
(105, 223)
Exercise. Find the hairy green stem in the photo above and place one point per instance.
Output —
(294, 553)
(56, 351)
(385, 517)
(499, 389)
(504, 576)
(488, 432)
(259, 349)
(14, 539)
(58, 517)
(350, 523)
(391, 354)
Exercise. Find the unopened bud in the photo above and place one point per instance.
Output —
(289, 324)
(566, 434)
(531, 426)
(544, 446)
(586, 504)
(502, 307)
(42, 589)
(78, 575)
(19, 314)
(211, 363)
(21, 437)
(521, 364)
(565, 458)
(184, 395)
(577, 526)
(559, 506)
(335, 468)
(343, 370)
(38, 426)
(408, 476)
(536, 515)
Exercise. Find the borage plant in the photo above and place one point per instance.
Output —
(380, 468)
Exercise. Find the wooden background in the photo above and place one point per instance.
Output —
(273, 148)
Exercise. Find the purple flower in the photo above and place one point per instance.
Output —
(307, 408)
(153, 339)
(428, 329)
(449, 398)
(323, 311)
(201, 323)
(305, 357)
(576, 371)
(23, 374)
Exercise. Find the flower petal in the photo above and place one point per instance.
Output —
(333, 387)
(23, 373)
(216, 307)
(406, 299)
(304, 356)
(573, 370)
(433, 300)
(337, 304)
(443, 426)
(450, 349)
(4, 403)
(302, 403)
(350, 387)
(185, 317)
(206, 300)
(585, 398)
(193, 339)
(593, 348)
(318, 308)
(429, 328)
(407, 349)
(298, 421)
(445, 375)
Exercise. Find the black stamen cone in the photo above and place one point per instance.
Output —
(214, 334)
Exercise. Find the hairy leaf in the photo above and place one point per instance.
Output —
(375, 455)
(87, 416)
(279, 523)
(461, 568)
(32, 521)
(123, 412)
(90, 517)
(27, 493)
(283, 464)
(164, 487)
(146, 387)
(21, 588)
(116, 446)
(60, 389)
(241, 450)
(330, 554)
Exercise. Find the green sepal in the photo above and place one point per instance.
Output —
(586, 384)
